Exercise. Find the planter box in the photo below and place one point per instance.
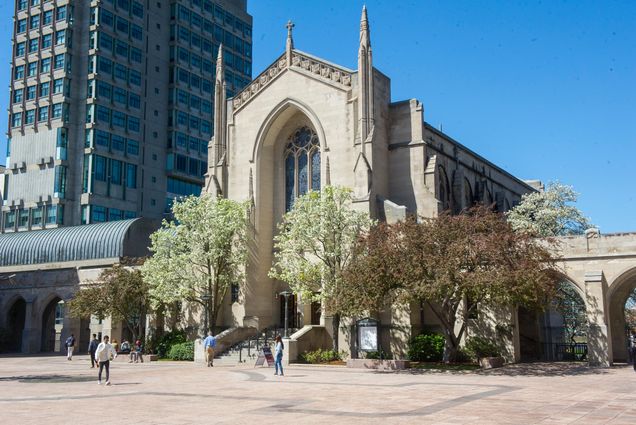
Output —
(491, 362)
(378, 364)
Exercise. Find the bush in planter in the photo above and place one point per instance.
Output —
(161, 345)
(428, 347)
(478, 347)
(377, 355)
(463, 356)
(320, 356)
(182, 351)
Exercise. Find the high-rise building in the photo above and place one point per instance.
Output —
(111, 105)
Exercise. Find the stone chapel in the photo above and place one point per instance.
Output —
(304, 123)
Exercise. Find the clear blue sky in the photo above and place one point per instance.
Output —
(544, 89)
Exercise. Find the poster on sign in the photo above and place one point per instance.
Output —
(368, 338)
(265, 354)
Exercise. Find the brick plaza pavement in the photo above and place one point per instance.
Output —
(52, 390)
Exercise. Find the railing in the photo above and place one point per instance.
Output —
(561, 352)
(254, 344)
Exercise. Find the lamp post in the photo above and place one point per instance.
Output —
(286, 295)
(205, 299)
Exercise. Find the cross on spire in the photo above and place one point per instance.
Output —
(290, 26)
(289, 45)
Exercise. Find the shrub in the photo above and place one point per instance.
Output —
(377, 355)
(320, 356)
(428, 347)
(463, 356)
(182, 351)
(478, 347)
(161, 345)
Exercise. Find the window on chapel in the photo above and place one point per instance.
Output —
(302, 165)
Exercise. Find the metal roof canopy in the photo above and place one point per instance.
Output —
(114, 239)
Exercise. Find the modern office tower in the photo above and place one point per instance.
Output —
(111, 105)
(2, 188)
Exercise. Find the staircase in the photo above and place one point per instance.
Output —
(246, 352)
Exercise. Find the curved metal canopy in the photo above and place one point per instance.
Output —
(113, 239)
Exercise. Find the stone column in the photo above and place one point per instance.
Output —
(70, 325)
(599, 340)
(30, 334)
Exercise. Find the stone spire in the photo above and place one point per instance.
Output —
(365, 78)
(289, 45)
(220, 66)
(220, 109)
(365, 35)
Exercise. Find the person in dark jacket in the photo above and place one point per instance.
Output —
(92, 347)
(70, 346)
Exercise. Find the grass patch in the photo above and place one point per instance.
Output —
(444, 366)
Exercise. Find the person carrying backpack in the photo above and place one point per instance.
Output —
(92, 348)
(70, 346)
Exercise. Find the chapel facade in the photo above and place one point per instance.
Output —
(305, 123)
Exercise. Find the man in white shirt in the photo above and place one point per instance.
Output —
(104, 354)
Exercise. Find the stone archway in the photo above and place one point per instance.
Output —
(271, 152)
(619, 291)
(559, 331)
(16, 317)
(52, 325)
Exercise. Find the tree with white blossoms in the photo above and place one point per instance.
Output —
(549, 213)
(198, 255)
(314, 246)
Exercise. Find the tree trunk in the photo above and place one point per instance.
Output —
(142, 321)
(450, 350)
(336, 331)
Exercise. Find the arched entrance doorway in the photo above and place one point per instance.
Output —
(15, 325)
(559, 331)
(289, 162)
(622, 303)
(52, 324)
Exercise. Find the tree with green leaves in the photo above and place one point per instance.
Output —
(571, 306)
(315, 245)
(549, 213)
(630, 311)
(199, 255)
(455, 264)
(121, 293)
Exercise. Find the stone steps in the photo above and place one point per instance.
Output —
(231, 356)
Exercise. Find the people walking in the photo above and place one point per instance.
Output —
(92, 348)
(209, 343)
(70, 346)
(278, 356)
(104, 354)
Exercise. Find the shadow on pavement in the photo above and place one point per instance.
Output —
(39, 379)
(545, 369)
(520, 369)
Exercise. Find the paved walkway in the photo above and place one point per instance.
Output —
(52, 390)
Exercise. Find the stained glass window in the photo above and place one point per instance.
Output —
(315, 170)
(302, 165)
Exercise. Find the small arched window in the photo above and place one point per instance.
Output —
(468, 194)
(443, 189)
(302, 165)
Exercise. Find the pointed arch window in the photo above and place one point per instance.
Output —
(444, 189)
(302, 165)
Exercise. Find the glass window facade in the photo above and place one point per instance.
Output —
(117, 115)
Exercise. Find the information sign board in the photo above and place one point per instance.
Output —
(265, 354)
